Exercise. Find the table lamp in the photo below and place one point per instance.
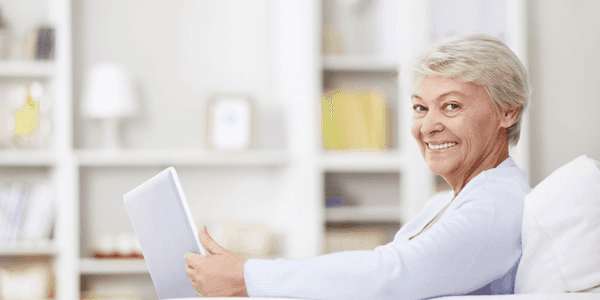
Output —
(109, 95)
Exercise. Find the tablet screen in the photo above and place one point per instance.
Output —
(166, 231)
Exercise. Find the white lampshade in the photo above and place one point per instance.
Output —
(108, 93)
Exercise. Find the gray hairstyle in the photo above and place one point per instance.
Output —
(482, 59)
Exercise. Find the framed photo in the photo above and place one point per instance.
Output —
(230, 123)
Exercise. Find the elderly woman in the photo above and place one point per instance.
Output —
(469, 94)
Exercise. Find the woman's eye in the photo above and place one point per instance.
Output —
(452, 107)
(419, 108)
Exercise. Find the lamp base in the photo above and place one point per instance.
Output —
(110, 131)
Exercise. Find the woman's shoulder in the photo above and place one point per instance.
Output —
(507, 178)
(500, 187)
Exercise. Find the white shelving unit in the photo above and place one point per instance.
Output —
(27, 69)
(159, 158)
(364, 214)
(53, 163)
(29, 250)
(91, 266)
(361, 162)
(30, 158)
(418, 23)
(376, 203)
(358, 63)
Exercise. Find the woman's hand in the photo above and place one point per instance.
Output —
(219, 274)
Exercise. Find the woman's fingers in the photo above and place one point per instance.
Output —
(189, 272)
(209, 244)
(191, 259)
(199, 292)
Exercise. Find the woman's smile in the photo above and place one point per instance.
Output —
(434, 146)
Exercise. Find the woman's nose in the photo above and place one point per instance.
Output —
(432, 122)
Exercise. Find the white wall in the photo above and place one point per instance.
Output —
(181, 53)
(564, 65)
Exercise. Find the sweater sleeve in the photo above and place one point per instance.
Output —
(468, 248)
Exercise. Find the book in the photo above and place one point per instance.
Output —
(38, 218)
(355, 120)
(27, 213)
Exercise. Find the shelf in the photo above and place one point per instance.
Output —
(42, 249)
(363, 214)
(31, 69)
(92, 266)
(25, 157)
(358, 63)
(253, 158)
(384, 161)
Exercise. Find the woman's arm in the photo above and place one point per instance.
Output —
(471, 246)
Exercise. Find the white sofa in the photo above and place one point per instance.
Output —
(561, 237)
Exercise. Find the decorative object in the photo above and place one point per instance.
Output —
(119, 245)
(230, 123)
(25, 117)
(109, 95)
(45, 43)
(31, 282)
(5, 38)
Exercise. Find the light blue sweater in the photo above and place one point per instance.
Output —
(474, 248)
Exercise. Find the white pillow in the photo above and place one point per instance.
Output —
(561, 232)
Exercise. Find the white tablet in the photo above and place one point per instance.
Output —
(164, 226)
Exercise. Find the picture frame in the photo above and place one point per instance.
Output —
(230, 123)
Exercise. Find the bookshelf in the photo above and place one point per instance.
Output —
(372, 56)
(50, 161)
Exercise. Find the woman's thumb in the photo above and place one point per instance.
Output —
(209, 244)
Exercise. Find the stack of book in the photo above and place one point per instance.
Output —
(26, 213)
(355, 120)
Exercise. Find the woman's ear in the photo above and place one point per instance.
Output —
(509, 116)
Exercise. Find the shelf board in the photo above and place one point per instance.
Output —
(94, 266)
(363, 214)
(253, 158)
(43, 249)
(358, 63)
(32, 69)
(25, 157)
(383, 161)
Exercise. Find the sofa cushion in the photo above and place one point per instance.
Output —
(561, 232)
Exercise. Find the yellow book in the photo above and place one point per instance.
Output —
(354, 120)
(380, 128)
(333, 137)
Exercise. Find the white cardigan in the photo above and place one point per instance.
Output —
(474, 248)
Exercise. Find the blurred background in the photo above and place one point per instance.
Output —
(285, 121)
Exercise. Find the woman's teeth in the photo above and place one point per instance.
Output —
(442, 146)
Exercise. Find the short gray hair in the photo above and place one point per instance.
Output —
(482, 59)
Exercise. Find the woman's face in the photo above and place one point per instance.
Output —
(455, 125)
